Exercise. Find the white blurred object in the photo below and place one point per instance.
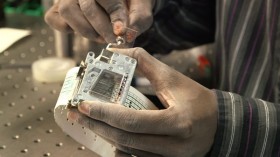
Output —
(8, 36)
(52, 69)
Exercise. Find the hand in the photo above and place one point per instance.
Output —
(101, 20)
(185, 128)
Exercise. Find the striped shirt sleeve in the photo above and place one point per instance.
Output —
(246, 127)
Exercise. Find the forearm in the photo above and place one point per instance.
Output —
(246, 127)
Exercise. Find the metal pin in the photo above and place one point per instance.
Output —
(120, 40)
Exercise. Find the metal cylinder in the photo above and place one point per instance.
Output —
(2, 14)
(63, 44)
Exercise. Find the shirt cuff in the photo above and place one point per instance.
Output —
(246, 127)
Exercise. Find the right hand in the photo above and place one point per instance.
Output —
(186, 128)
(101, 20)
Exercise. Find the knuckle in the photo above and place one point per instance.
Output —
(52, 21)
(113, 8)
(101, 114)
(138, 52)
(182, 126)
(48, 17)
(131, 123)
(88, 33)
(86, 9)
(63, 10)
(185, 127)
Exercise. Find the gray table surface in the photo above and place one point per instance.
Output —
(27, 126)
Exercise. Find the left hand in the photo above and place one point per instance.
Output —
(186, 128)
(101, 20)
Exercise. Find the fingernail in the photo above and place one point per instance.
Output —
(73, 116)
(118, 28)
(130, 36)
(84, 107)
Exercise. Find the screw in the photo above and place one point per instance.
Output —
(47, 154)
(59, 144)
(20, 115)
(31, 107)
(3, 147)
(5, 93)
(35, 89)
(12, 104)
(24, 150)
(82, 148)
(9, 77)
(23, 96)
(29, 127)
(49, 131)
(37, 140)
(8, 124)
(16, 86)
(40, 118)
(16, 137)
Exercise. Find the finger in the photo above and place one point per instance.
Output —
(117, 9)
(161, 122)
(70, 11)
(98, 19)
(132, 143)
(54, 20)
(140, 15)
(155, 71)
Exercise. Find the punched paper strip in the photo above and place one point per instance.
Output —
(135, 100)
